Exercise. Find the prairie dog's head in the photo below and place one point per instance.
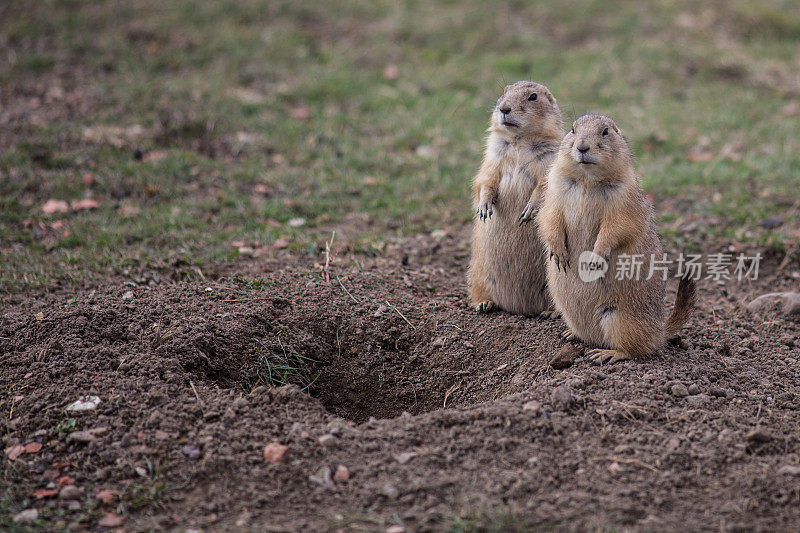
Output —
(596, 145)
(527, 109)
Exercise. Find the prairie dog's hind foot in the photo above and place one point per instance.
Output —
(569, 336)
(486, 306)
(600, 356)
(549, 313)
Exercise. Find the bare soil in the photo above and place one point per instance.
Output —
(443, 418)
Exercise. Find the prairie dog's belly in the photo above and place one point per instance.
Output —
(515, 254)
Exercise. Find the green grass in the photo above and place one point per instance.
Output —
(218, 157)
(278, 367)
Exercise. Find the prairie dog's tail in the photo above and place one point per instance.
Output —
(684, 303)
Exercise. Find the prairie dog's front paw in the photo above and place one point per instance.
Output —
(559, 254)
(485, 208)
(529, 212)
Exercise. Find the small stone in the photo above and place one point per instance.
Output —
(566, 357)
(161, 435)
(274, 452)
(296, 222)
(28, 516)
(395, 529)
(323, 478)
(327, 440)
(698, 400)
(127, 295)
(83, 437)
(719, 393)
(533, 406)
(390, 491)
(140, 471)
(191, 451)
(791, 470)
(439, 342)
(673, 444)
(111, 520)
(305, 434)
(759, 435)
(240, 403)
(70, 492)
(787, 303)
(380, 310)
(679, 390)
(342, 473)
(561, 397)
(84, 404)
(55, 206)
(693, 389)
(405, 457)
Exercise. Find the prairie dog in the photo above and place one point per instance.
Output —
(507, 268)
(592, 201)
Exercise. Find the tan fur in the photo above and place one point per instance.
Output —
(593, 201)
(507, 268)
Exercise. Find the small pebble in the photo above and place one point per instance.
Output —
(390, 491)
(28, 516)
(561, 397)
(274, 452)
(70, 492)
(327, 440)
(679, 390)
(693, 389)
(191, 451)
(342, 473)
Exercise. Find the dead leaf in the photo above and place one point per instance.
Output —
(44, 493)
(700, 157)
(301, 113)
(280, 244)
(64, 481)
(105, 496)
(129, 211)
(52, 206)
(13, 452)
(391, 72)
(792, 109)
(33, 447)
(86, 203)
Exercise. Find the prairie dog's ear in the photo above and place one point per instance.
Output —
(550, 96)
(619, 131)
(505, 90)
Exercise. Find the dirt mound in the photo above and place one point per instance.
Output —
(442, 418)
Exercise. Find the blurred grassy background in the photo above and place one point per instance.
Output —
(198, 124)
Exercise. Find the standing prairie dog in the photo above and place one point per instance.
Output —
(592, 202)
(507, 269)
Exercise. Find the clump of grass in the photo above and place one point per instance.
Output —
(276, 368)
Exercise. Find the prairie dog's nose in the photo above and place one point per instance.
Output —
(583, 147)
(505, 110)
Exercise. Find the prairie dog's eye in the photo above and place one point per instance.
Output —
(573, 130)
(605, 132)
(533, 97)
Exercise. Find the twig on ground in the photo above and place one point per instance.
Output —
(401, 315)
(247, 299)
(345, 289)
(326, 269)
(199, 399)
(450, 391)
